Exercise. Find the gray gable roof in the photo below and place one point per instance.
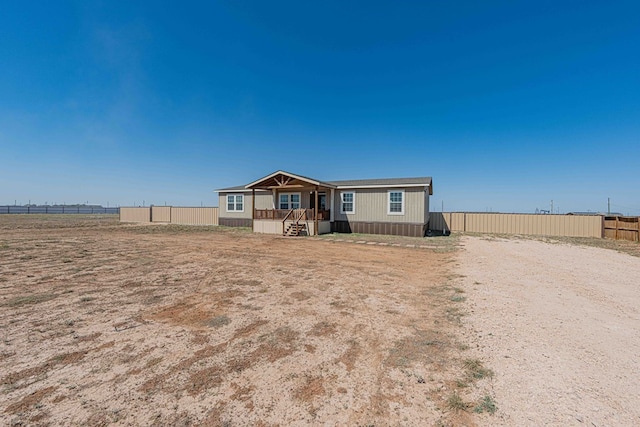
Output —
(236, 189)
(382, 182)
(425, 181)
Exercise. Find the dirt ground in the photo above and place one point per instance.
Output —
(103, 323)
(559, 324)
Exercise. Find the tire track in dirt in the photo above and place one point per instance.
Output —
(560, 326)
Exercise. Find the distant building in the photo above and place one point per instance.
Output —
(596, 213)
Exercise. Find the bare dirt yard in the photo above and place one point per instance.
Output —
(559, 324)
(103, 323)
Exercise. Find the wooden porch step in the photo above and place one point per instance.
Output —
(295, 229)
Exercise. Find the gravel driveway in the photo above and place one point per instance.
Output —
(559, 325)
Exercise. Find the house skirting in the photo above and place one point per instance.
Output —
(235, 222)
(267, 226)
(390, 228)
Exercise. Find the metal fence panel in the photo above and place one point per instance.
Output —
(135, 214)
(194, 216)
(160, 213)
(526, 224)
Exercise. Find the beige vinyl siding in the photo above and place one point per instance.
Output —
(305, 199)
(371, 205)
(264, 200)
(247, 206)
(526, 224)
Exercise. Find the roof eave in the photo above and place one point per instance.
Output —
(292, 175)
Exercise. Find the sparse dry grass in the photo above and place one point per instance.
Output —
(437, 243)
(257, 329)
(29, 299)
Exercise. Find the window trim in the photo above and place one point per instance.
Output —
(235, 202)
(389, 202)
(289, 200)
(353, 202)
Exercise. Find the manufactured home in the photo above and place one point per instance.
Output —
(293, 205)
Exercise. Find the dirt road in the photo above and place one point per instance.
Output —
(560, 326)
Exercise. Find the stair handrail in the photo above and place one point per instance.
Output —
(306, 219)
(301, 213)
(284, 220)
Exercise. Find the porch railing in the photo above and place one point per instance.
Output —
(280, 214)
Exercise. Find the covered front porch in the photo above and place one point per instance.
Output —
(299, 205)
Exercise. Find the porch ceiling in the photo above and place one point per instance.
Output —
(286, 180)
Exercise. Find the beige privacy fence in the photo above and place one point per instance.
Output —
(528, 224)
(171, 215)
(135, 214)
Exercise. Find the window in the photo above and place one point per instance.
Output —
(396, 202)
(347, 202)
(295, 201)
(235, 203)
(284, 201)
(289, 201)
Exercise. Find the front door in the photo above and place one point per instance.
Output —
(322, 201)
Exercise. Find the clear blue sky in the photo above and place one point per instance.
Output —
(507, 105)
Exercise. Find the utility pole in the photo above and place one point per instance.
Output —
(608, 205)
(442, 206)
(552, 206)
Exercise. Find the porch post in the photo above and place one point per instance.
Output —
(316, 211)
(331, 204)
(253, 208)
